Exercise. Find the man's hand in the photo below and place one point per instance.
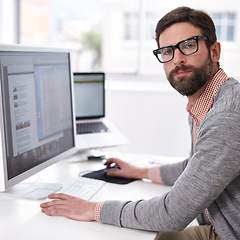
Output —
(70, 207)
(126, 170)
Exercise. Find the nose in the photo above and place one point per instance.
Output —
(179, 58)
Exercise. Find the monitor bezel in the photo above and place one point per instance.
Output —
(6, 183)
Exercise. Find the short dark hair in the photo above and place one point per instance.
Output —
(197, 18)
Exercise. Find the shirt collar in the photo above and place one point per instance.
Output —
(204, 103)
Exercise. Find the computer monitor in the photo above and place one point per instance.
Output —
(37, 122)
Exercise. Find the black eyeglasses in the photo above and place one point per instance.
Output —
(186, 47)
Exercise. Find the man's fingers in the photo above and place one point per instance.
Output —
(60, 196)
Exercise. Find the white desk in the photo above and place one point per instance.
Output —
(22, 219)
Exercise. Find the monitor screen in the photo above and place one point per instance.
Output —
(36, 113)
(89, 105)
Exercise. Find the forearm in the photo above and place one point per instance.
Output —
(166, 174)
(143, 214)
(152, 173)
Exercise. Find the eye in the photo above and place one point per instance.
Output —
(166, 51)
(189, 44)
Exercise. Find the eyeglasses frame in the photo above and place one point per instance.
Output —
(196, 38)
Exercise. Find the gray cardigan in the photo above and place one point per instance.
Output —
(209, 178)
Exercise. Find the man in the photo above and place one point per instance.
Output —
(207, 184)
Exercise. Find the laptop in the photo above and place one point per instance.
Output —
(93, 128)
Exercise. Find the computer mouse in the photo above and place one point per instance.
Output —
(113, 168)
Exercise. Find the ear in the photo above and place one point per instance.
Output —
(215, 52)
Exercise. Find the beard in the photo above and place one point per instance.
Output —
(187, 86)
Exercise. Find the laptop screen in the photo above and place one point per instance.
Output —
(89, 94)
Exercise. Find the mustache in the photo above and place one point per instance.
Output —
(183, 68)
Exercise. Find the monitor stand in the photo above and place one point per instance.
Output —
(36, 191)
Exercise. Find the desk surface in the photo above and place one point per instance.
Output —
(22, 218)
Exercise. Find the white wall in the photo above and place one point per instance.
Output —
(151, 115)
(8, 20)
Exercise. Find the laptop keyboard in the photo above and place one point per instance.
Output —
(91, 127)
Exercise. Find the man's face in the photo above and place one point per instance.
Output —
(186, 73)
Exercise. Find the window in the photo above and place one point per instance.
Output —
(225, 26)
(151, 21)
(103, 35)
(115, 36)
(131, 26)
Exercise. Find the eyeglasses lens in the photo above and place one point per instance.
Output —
(186, 47)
